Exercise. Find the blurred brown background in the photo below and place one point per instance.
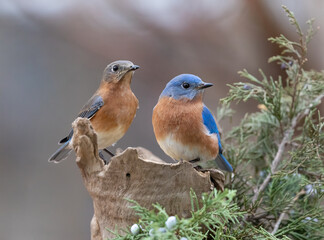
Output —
(52, 54)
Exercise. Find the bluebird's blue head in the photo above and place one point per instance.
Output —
(184, 86)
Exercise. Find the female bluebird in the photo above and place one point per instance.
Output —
(184, 127)
(111, 109)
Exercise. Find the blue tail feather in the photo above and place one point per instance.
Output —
(223, 164)
(61, 154)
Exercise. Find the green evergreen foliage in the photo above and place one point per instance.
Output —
(279, 174)
(214, 213)
(277, 156)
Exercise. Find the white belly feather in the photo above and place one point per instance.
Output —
(106, 139)
(177, 150)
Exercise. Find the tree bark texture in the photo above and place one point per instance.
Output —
(134, 174)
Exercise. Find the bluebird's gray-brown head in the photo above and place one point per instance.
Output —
(119, 71)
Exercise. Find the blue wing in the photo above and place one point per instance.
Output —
(211, 125)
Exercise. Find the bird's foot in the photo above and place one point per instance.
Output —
(198, 168)
(195, 165)
(194, 160)
(107, 151)
(103, 157)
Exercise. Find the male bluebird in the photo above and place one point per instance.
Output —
(184, 127)
(111, 109)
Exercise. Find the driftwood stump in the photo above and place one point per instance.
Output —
(134, 174)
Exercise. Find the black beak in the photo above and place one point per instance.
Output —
(204, 85)
(134, 67)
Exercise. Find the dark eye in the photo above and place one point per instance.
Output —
(115, 68)
(185, 85)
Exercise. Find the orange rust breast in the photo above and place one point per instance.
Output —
(182, 119)
(119, 109)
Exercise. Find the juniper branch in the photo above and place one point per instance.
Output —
(287, 136)
(282, 215)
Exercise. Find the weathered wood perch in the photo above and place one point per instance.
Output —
(134, 174)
